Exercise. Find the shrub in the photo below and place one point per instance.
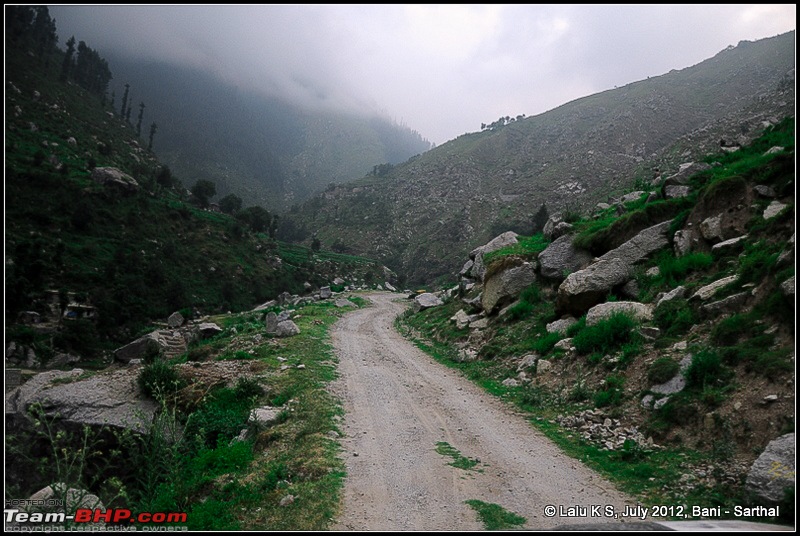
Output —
(706, 369)
(757, 261)
(662, 370)
(607, 335)
(675, 317)
(158, 378)
(611, 394)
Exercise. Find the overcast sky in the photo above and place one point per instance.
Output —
(441, 70)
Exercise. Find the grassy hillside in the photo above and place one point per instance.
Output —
(425, 215)
(738, 355)
(136, 254)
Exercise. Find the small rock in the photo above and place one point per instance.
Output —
(774, 208)
(287, 500)
(770, 399)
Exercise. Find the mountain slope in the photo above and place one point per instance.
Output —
(266, 150)
(132, 251)
(427, 213)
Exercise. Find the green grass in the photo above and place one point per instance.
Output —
(494, 516)
(459, 461)
(606, 336)
(527, 247)
(611, 231)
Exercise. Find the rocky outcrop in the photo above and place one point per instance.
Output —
(280, 326)
(461, 319)
(685, 172)
(426, 301)
(729, 247)
(111, 176)
(175, 320)
(561, 325)
(709, 290)
(138, 349)
(287, 328)
(561, 258)
(642, 245)
(585, 288)
(638, 311)
(774, 208)
(773, 471)
(726, 305)
(505, 285)
(683, 242)
(596, 427)
(674, 294)
(478, 271)
(110, 399)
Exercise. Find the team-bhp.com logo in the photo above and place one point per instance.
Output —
(114, 516)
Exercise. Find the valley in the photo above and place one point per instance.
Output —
(310, 321)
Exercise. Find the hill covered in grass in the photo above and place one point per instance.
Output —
(653, 338)
(422, 217)
(130, 245)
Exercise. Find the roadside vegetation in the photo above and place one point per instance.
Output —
(611, 366)
(203, 454)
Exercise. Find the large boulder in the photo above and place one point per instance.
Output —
(685, 171)
(111, 176)
(287, 328)
(683, 242)
(426, 300)
(325, 293)
(638, 311)
(773, 471)
(145, 346)
(505, 285)
(642, 245)
(110, 399)
(585, 288)
(704, 293)
(509, 238)
(175, 320)
(562, 258)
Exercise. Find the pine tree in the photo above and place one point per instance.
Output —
(139, 121)
(153, 128)
(66, 67)
(128, 112)
(124, 101)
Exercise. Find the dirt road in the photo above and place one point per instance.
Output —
(400, 403)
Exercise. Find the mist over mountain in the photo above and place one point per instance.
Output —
(425, 215)
(266, 150)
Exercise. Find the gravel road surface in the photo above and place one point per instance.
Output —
(399, 404)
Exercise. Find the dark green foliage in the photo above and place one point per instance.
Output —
(706, 370)
(203, 191)
(662, 370)
(230, 204)
(612, 392)
(758, 261)
(603, 235)
(257, 218)
(78, 336)
(729, 330)
(527, 301)
(158, 379)
(673, 270)
(675, 317)
(221, 418)
(607, 335)
(91, 71)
